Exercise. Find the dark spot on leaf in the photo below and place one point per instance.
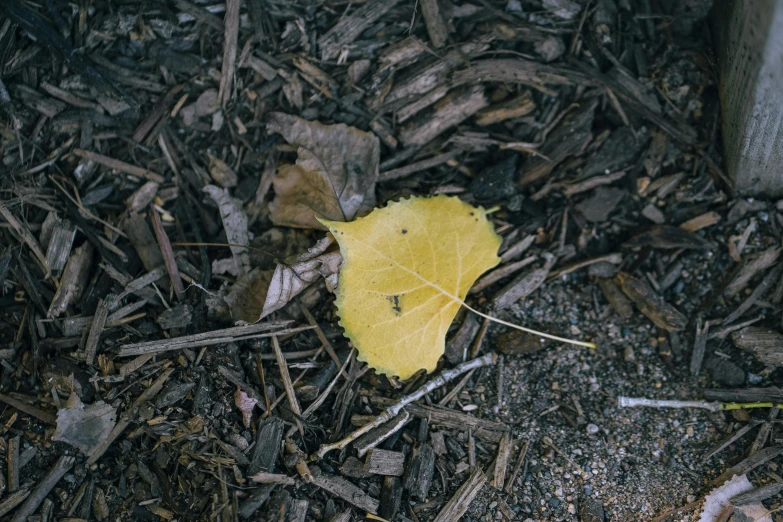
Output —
(472, 214)
(394, 300)
(404, 231)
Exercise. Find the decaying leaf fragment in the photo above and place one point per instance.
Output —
(235, 223)
(334, 175)
(260, 292)
(83, 427)
(719, 500)
(406, 270)
(288, 281)
(245, 405)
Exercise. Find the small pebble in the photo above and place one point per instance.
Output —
(592, 429)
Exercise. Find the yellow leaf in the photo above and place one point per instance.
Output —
(406, 270)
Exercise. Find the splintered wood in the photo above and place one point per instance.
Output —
(459, 503)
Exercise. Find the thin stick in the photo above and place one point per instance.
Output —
(393, 410)
(520, 460)
(631, 402)
(321, 336)
(116, 164)
(38, 413)
(289, 388)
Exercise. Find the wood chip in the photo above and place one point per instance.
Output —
(459, 503)
(661, 313)
(384, 462)
(340, 487)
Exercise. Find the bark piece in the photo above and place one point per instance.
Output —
(515, 107)
(143, 241)
(347, 491)
(420, 472)
(448, 112)
(459, 503)
(391, 497)
(74, 280)
(433, 20)
(661, 313)
(12, 461)
(268, 441)
(765, 344)
(616, 298)
(759, 263)
(60, 243)
(350, 27)
(758, 494)
(501, 462)
(384, 462)
(750, 463)
(568, 138)
(668, 237)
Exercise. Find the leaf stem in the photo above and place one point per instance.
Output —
(586, 344)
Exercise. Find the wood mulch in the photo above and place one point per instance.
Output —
(143, 231)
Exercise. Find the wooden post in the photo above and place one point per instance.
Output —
(749, 44)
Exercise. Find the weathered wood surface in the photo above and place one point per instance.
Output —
(749, 44)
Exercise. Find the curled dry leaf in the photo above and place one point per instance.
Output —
(719, 500)
(83, 427)
(260, 292)
(406, 271)
(245, 405)
(334, 175)
(234, 222)
(288, 281)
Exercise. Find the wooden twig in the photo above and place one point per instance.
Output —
(289, 388)
(631, 402)
(13, 500)
(394, 410)
(39, 414)
(12, 459)
(321, 336)
(520, 460)
(419, 166)
(119, 165)
(227, 335)
(735, 436)
(168, 254)
(43, 488)
(98, 323)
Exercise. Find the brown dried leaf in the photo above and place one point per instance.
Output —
(83, 427)
(245, 405)
(245, 298)
(334, 176)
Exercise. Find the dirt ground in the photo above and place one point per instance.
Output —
(163, 167)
